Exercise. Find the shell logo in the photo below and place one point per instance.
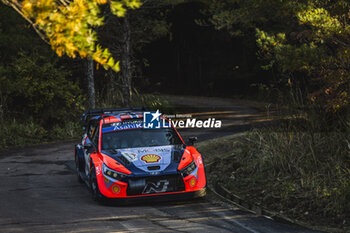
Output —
(151, 158)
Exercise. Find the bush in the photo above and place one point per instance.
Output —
(15, 133)
(20, 133)
(35, 87)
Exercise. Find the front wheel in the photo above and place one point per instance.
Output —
(95, 191)
(80, 180)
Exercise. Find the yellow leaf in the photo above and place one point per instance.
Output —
(118, 9)
(59, 51)
(116, 67)
(101, 2)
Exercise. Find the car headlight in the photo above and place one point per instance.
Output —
(188, 169)
(112, 173)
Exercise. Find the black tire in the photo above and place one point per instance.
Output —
(95, 190)
(80, 180)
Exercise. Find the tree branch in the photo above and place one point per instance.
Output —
(17, 8)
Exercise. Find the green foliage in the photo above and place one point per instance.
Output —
(242, 17)
(37, 88)
(39, 98)
(304, 41)
(14, 133)
(70, 129)
(318, 49)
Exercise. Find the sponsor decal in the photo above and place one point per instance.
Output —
(151, 158)
(116, 189)
(98, 170)
(122, 127)
(130, 126)
(193, 182)
(199, 160)
(124, 122)
(162, 149)
(160, 187)
(131, 157)
(154, 149)
(143, 150)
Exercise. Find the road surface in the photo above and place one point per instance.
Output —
(40, 193)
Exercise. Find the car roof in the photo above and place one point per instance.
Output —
(118, 117)
(112, 114)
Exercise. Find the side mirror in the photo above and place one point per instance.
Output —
(89, 148)
(192, 140)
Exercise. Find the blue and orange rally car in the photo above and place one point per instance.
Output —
(120, 159)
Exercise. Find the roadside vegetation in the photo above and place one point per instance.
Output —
(295, 167)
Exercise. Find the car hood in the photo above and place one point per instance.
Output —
(148, 159)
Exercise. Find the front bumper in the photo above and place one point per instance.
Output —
(164, 197)
(153, 187)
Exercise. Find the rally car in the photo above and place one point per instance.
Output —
(120, 159)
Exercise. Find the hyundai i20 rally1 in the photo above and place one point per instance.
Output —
(120, 159)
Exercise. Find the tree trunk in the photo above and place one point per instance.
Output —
(90, 83)
(126, 68)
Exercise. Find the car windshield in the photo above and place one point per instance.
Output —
(132, 138)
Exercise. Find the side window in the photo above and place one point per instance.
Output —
(95, 135)
(91, 128)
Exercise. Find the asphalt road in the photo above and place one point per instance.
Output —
(40, 193)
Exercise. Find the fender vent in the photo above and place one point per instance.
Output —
(124, 160)
(152, 168)
(176, 156)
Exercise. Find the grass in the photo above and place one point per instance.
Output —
(21, 133)
(304, 174)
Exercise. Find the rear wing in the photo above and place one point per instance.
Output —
(106, 111)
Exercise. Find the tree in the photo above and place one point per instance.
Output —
(318, 48)
(69, 26)
(137, 29)
(300, 40)
(90, 83)
(35, 85)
